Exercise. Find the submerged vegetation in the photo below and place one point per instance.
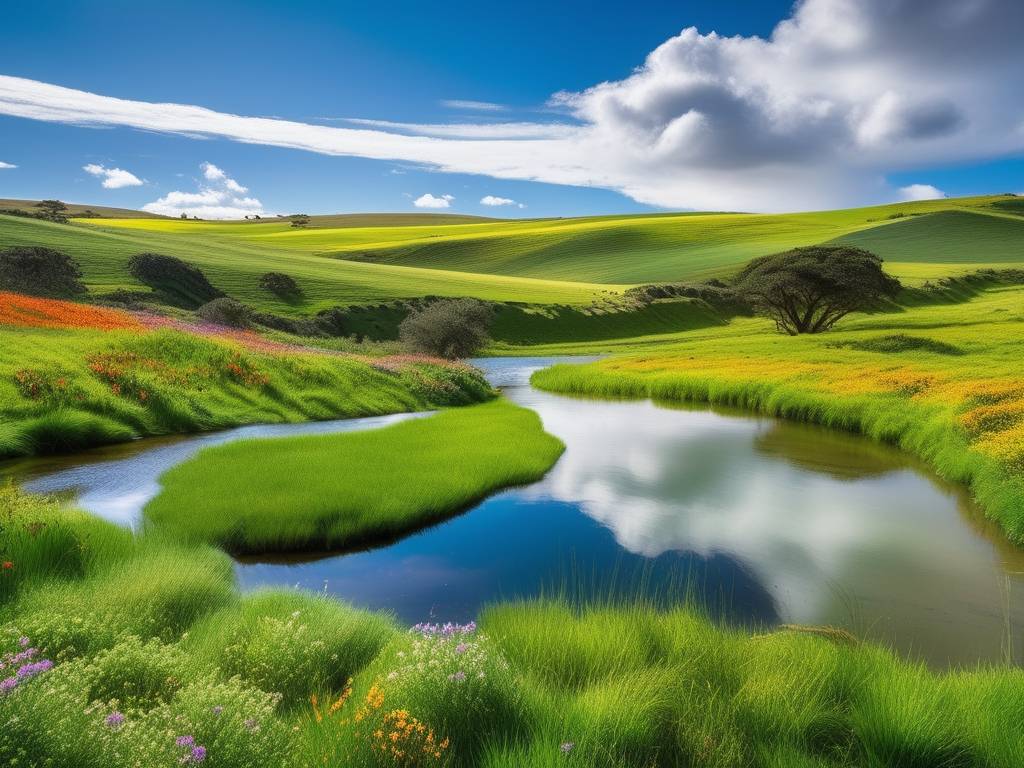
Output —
(335, 491)
(131, 650)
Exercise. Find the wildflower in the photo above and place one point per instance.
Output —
(114, 720)
(217, 710)
(461, 648)
(185, 741)
(251, 724)
(567, 747)
(9, 684)
(8, 565)
(23, 641)
(458, 677)
(198, 754)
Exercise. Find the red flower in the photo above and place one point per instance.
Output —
(8, 565)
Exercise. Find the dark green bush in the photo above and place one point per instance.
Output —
(178, 282)
(39, 272)
(451, 328)
(225, 311)
(281, 285)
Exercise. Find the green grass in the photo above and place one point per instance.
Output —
(337, 491)
(80, 388)
(941, 381)
(155, 630)
(234, 263)
(619, 250)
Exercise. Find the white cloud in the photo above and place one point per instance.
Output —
(491, 200)
(220, 199)
(815, 116)
(429, 201)
(921, 192)
(5, 166)
(113, 178)
(477, 106)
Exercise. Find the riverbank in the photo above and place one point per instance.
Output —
(137, 650)
(64, 388)
(942, 382)
(324, 492)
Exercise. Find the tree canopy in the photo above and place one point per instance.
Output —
(808, 290)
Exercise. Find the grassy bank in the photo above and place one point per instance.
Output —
(137, 650)
(943, 382)
(336, 491)
(64, 389)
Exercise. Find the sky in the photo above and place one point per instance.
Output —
(516, 110)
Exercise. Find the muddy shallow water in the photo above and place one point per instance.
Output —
(764, 521)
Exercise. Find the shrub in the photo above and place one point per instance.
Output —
(332, 321)
(281, 285)
(225, 311)
(176, 281)
(453, 328)
(39, 272)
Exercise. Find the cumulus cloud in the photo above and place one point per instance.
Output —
(113, 178)
(841, 94)
(921, 192)
(493, 201)
(220, 198)
(429, 201)
(4, 166)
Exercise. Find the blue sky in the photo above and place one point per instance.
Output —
(647, 143)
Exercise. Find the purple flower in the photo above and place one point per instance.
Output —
(35, 668)
(185, 741)
(251, 724)
(23, 641)
(198, 754)
(461, 648)
(8, 684)
(458, 677)
(217, 710)
(114, 720)
(567, 747)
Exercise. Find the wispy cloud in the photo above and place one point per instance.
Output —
(495, 202)
(5, 166)
(218, 197)
(473, 106)
(113, 178)
(429, 201)
(814, 116)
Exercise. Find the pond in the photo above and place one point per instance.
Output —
(762, 521)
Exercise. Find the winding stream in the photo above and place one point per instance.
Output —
(764, 521)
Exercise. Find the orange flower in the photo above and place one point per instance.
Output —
(34, 312)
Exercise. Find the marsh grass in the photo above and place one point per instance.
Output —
(336, 491)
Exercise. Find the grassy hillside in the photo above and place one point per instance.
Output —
(619, 250)
(234, 264)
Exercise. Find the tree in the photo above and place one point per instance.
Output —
(177, 281)
(453, 328)
(808, 290)
(299, 220)
(39, 272)
(53, 210)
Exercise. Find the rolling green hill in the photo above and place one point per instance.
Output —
(623, 250)
(80, 209)
(570, 271)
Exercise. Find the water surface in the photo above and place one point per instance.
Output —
(764, 521)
